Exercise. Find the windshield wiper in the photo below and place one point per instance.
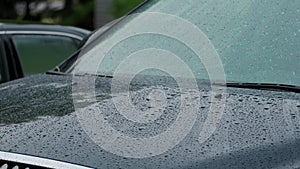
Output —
(51, 72)
(96, 75)
(264, 86)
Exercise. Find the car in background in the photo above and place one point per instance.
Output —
(79, 115)
(30, 49)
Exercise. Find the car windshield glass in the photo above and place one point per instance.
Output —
(257, 42)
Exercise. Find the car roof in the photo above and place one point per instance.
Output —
(48, 28)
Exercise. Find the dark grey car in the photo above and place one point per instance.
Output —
(182, 84)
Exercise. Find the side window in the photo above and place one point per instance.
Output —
(39, 53)
(3, 73)
(1, 69)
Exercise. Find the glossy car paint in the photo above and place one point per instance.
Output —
(259, 129)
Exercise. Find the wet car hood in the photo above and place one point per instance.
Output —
(259, 129)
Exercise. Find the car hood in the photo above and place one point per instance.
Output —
(258, 129)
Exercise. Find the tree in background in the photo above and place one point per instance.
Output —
(9, 10)
(73, 12)
(6, 11)
(81, 15)
(76, 13)
(122, 7)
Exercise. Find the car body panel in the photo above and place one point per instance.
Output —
(77, 33)
(258, 128)
(38, 118)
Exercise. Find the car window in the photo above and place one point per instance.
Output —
(258, 42)
(1, 69)
(39, 53)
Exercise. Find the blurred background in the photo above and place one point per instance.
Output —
(87, 14)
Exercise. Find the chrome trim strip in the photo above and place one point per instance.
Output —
(43, 32)
(37, 161)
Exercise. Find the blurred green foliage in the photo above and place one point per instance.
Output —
(82, 15)
(122, 7)
(78, 13)
(75, 14)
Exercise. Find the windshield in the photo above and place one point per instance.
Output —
(257, 42)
